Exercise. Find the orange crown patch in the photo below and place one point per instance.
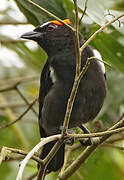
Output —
(67, 21)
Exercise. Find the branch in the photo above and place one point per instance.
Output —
(116, 139)
(86, 153)
(109, 132)
(20, 117)
(19, 80)
(113, 146)
(98, 31)
(72, 98)
(14, 87)
(35, 149)
(18, 151)
(50, 14)
(77, 43)
(67, 154)
(11, 105)
(42, 170)
(84, 11)
(15, 82)
(25, 100)
(17, 129)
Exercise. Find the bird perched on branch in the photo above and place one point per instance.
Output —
(56, 82)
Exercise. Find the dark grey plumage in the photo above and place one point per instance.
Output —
(56, 82)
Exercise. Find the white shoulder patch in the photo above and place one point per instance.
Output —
(98, 55)
(52, 74)
(46, 23)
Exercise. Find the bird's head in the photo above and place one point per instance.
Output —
(51, 36)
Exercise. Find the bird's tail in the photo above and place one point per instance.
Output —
(57, 161)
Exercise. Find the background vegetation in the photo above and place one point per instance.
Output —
(107, 162)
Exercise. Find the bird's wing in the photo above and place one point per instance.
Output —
(45, 85)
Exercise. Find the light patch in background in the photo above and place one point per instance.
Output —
(15, 32)
(3, 5)
(15, 13)
(31, 45)
(13, 10)
(9, 58)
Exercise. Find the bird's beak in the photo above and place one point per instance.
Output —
(32, 35)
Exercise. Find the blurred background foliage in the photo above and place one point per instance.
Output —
(20, 59)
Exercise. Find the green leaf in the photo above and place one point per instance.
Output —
(95, 10)
(36, 16)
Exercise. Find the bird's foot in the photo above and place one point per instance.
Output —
(86, 142)
(69, 141)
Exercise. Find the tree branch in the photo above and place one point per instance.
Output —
(11, 105)
(20, 117)
(77, 43)
(35, 149)
(86, 153)
(18, 81)
(18, 131)
(98, 31)
(18, 151)
(50, 14)
(25, 100)
(113, 146)
(84, 11)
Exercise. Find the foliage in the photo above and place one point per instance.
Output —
(105, 163)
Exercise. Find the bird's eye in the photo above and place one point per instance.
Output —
(51, 27)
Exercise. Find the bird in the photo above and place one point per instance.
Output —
(57, 78)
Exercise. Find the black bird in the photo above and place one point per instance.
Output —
(56, 82)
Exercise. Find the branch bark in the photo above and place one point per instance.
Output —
(35, 149)
(87, 152)
(20, 117)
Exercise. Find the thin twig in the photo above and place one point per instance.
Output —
(113, 146)
(78, 75)
(20, 117)
(76, 82)
(67, 153)
(98, 31)
(77, 43)
(9, 88)
(104, 133)
(42, 170)
(72, 97)
(25, 100)
(22, 140)
(86, 153)
(11, 105)
(19, 80)
(116, 139)
(18, 151)
(16, 82)
(50, 14)
(84, 11)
